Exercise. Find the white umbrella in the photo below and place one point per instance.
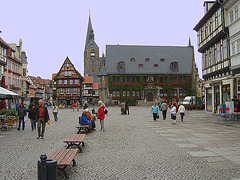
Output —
(6, 94)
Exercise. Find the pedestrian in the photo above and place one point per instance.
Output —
(73, 106)
(22, 114)
(159, 105)
(173, 113)
(164, 108)
(85, 121)
(154, 111)
(101, 114)
(55, 111)
(89, 116)
(127, 107)
(78, 105)
(181, 110)
(42, 118)
(32, 115)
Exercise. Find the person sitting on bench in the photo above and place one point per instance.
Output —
(84, 121)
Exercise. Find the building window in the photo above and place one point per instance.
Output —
(140, 65)
(163, 79)
(124, 93)
(76, 81)
(147, 59)
(182, 92)
(121, 66)
(155, 65)
(24, 72)
(65, 82)
(59, 82)
(67, 73)
(128, 93)
(236, 12)
(163, 92)
(92, 53)
(132, 59)
(75, 91)
(70, 81)
(238, 46)
(61, 90)
(162, 59)
(231, 16)
(174, 92)
(233, 47)
(219, 52)
(225, 49)
(174, 66)
(68, 90)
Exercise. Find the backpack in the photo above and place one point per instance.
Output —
(105, 111)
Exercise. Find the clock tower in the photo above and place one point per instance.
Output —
(91, 53)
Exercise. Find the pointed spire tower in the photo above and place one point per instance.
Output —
(189, 42)
(91, 52)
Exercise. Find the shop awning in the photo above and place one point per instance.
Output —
(6, 94)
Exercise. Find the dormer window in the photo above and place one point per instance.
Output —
(140, 65)
(147, 59)
(162, 59)
(92, 53)
(174, 66)
(121, 66)
(155, 65)
(132, 59)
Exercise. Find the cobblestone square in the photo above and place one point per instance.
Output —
(131, 147)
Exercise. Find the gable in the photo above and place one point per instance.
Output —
(67, 70)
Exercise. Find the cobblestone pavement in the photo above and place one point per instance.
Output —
(131, 147)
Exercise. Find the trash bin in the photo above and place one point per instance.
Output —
(47, 168)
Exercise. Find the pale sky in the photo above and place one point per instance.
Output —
(51, 30)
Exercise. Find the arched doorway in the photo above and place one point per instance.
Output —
(150, 96)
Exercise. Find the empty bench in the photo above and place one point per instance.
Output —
(75, 139)
(64, 157)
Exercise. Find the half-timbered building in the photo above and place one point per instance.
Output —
(68, 84)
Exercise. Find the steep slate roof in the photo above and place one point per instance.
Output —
(90, 43)
(181, 54)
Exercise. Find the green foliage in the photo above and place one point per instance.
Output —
(8, 112)
(3, 111)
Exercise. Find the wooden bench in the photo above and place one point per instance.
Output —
(84, 128)
(75, 139)
(64, 157)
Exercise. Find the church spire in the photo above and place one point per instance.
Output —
(189, 42)
(90, 32)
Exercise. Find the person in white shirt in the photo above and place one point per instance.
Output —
(181, 110)
(173, 113)
(55, 112)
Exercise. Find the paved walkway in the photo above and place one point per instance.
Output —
(132, 147)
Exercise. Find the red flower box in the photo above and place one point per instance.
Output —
(126, 97)
(116, 83)
(115, 98)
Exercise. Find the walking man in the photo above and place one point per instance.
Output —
(22, 114)
(164, 108)
(42, 117)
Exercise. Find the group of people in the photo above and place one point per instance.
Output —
(37, 115)
(86, 118)
(163, 106)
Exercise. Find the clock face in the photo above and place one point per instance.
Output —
(149, 85)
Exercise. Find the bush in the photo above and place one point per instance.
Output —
(8, 112)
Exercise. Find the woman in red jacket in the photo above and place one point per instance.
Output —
(101, 114)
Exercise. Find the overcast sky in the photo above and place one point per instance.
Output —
(51, 30)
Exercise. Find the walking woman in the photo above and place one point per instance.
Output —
(32, 116)
(55, 111)
(154, 111)
(181, 110)
(173, 113)
(101, 114)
